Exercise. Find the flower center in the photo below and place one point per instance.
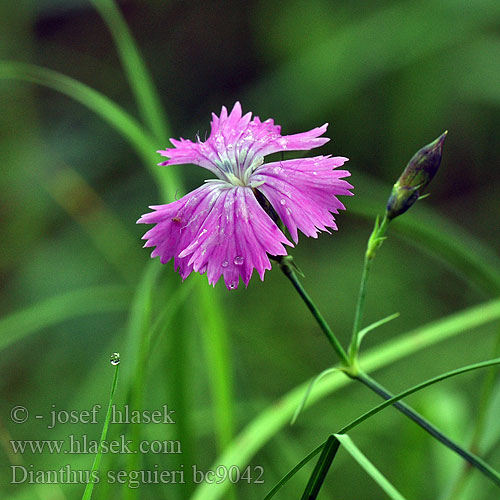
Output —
(235, 171)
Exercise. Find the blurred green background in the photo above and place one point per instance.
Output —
(389, 77)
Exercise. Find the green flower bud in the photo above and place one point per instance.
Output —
(415, 178)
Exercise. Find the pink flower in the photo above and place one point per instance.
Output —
(220, 228)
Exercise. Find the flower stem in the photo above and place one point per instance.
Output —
(374, 242)
(472, 459)
(352, 369)
(289, 269)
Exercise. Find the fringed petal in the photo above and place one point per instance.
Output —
(303, 192)
(219, 229)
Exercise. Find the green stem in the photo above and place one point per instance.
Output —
(288, 268)
(472, 459)
(350, 364)
(367, 415)
(374, 242)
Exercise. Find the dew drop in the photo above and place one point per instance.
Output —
(315, 173)
(225, 263)
(232, 285)
(283, 201)
(114, 359)
(238, 260)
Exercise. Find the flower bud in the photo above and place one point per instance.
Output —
(415, 177)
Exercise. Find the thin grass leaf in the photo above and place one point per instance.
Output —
(143, 88)
(292, 472)
(435, 235)
(218, 357)
(49, 312)
(380, 407)
(144, 145)
(139, 329)
(299, 409)
(375, 325)
(132, 375)
(87, 494)
(75, 195)
(369, 468)
(419, 387)
(322, 467)
(265, 425)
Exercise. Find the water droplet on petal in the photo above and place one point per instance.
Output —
(238, 260)
(232, 285)
(283, 201)
(315, 173)
(114, 359)
(225, 263)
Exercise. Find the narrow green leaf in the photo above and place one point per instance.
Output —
(299, 409)
(375, 325)
(292, 473)
(109, 111)
(265, 425)
(380, 407)
(416, 388)
(425, 228)
(143, 88)
(77, 303)
(369, 468)
(322, 467)
(87, 494)
(139, 331)
(218, 357)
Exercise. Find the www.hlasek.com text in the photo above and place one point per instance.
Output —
(81, 445)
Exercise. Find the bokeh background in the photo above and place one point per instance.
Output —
(389, 77)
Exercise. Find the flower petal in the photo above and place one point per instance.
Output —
(177, 225)
(218, 228)
(304, 191)
(236, 142)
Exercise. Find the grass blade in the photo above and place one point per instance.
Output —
(77, 303)
(217, 352)
(375, 325)
(436, 235)
(87, 494)
(318, 476)
(109, 111)
(375, 410)
(265, 425)
(380, 407)
(369, 468)
(142, 85)
(299, 409)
